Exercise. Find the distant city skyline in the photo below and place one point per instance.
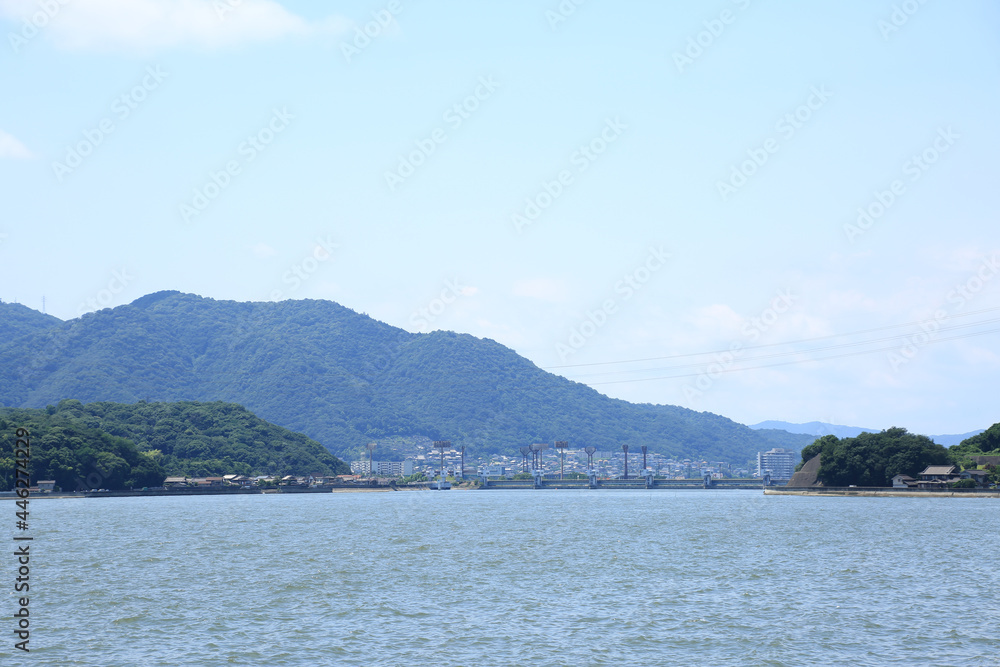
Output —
(761, 210)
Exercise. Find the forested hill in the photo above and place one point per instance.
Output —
(343, 379)
(118, 446)
(17, 320)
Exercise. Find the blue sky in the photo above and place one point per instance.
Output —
(672, 183)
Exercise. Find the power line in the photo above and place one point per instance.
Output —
(786, 363)
(794, 352)
(755, 347)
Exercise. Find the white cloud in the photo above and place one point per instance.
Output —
(146, 26)
(12, 148)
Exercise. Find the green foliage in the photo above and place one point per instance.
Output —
(414, 478)
(19, 320)
(343, 378)
(994, 474)
(963, 484)
(75, 455)
(523, 476)
(873, 459)
(116, 446)
(986, 443)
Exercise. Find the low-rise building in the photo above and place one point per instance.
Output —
(981, 477)
(383, 468)
(939, 474)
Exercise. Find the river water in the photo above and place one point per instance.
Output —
(510, 578)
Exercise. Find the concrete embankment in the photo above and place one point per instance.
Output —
(868, 492)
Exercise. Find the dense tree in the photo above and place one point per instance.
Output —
(341, 377)
(73, 454)
(117, 446)
(987, 442)
(873, 459)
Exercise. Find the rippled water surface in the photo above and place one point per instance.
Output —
(511, 577)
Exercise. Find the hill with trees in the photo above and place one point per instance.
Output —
(117, 446)
(986, 443)
(18, 320)
(873, 459)
(344, 379)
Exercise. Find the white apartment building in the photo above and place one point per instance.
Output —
(778, 462)
(383, 468)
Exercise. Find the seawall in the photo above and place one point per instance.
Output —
(880, 492)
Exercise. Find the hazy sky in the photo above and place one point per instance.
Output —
(585, 182)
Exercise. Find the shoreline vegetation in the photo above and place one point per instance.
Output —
(102, 449)
(897, 462)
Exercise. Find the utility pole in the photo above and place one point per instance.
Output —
(371, 448)
(561, 445)
(442, 445)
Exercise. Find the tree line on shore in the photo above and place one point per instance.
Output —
(873, 459)
(122, 446)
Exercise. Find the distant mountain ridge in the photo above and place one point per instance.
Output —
(343, 379)
(820, 429)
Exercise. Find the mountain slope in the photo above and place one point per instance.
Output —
(18, 320)
(343, 379)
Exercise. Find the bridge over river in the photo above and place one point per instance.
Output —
(646, 482)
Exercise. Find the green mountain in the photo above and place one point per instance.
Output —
(345, 379)
(117, 446)
(17, 320)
